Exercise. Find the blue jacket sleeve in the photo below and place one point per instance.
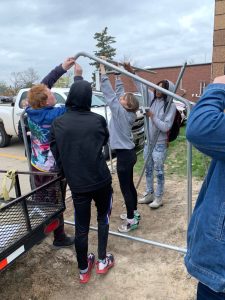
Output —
(206, 123)
(53, 76)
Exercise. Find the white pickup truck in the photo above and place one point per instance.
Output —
(10, 114)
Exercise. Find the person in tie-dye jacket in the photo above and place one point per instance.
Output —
(41, 113)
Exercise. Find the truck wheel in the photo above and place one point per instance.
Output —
(4, 137)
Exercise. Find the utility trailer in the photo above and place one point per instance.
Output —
(28, 219)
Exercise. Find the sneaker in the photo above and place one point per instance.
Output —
(85, 277)
(103, 268)
(148, 198)
(66, 241)
(156, 203)
(127, 226)
(137, 216)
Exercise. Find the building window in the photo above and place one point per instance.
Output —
(202, 86)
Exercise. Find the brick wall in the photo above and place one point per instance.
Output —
(193, 78)
(218, 61)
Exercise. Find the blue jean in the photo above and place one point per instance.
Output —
(155, 163)
(205, 293)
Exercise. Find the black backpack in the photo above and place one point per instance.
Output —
(173, 133)
(175, 129)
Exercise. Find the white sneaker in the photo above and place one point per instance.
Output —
(148, 198)
(156, 203)
(137, 216)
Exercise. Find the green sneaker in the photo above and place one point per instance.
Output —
(126, 226)
(137, 216)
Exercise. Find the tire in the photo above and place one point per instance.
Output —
(4, 137)
(106, 151)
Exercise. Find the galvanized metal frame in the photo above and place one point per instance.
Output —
(189, 150)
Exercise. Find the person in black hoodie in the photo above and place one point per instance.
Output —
(77, 138)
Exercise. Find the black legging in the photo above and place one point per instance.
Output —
(126, 160)
(205, 293)
(82, 205)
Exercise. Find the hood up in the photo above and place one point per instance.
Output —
(80, 96)
(168, 85)
(170, 88)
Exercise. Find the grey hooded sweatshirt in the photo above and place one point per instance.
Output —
(121, 122)
(157, 108)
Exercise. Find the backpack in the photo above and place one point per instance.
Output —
(173, 133)
(175, 129)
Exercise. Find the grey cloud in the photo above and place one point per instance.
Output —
(42, 33)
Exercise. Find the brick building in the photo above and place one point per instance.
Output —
(218, 61)
(195, 78)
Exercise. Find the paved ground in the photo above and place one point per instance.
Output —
(13, 157)
(141, 271)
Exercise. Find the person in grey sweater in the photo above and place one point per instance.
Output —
(123, 107)
(157, 104)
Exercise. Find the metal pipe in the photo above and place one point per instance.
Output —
(189, 181)
(189, 154)
(137, 239)
(171, 94)
(136, 68)
(156, 135)
(27, 148)
(146, 82)
(146, 102)
(110, 151)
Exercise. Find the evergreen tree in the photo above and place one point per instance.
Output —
(104, 42)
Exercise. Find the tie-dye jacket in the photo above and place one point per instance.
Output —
(39, 121)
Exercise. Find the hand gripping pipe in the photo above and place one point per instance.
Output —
(27, 148)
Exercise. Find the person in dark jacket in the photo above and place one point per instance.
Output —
(40, 115)
(77, 138)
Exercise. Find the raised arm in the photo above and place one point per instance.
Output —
(119, 87)
(78, 72)
(108, 91)
(138, 84)
(57, 72)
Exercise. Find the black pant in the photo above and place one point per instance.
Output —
(126, 160)
(82, 205)
(205, 293)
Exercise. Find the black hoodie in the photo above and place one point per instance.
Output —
(77, 138)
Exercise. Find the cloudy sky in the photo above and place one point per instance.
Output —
(41, 33)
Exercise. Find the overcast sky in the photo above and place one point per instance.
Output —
(41, 33)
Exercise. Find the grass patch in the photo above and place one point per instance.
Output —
(176, 162)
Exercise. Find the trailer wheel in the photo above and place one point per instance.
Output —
(4, 137)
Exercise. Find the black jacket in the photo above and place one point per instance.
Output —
(77, 138)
